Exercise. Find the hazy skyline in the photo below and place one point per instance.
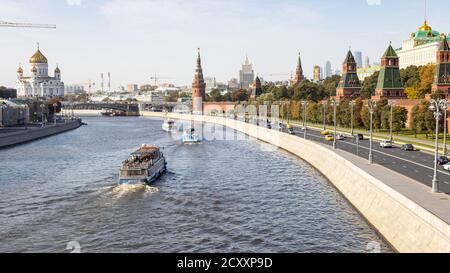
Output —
(137, 39)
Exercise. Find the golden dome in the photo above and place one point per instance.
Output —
(425, 27)
(38, 58)
(34, 69)
(20, 70)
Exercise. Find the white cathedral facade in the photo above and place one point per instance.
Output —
(39, 83)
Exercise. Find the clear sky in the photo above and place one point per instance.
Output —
(135, 39)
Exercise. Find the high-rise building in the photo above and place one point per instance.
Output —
(211, 84)
(198, 88)
(358, 58)
(132, 88)
(317, 73)
(366, 61)
(246, 75)
(442, 78)
(390, 84)
(328, 71)
(233, 83)
(349, 87)
(298, 71)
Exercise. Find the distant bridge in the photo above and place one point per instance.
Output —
(134, 108)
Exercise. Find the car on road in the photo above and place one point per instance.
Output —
(269, 126)
(447, 167)
(359, 136)
(340, 137)
(442, 160)
(325, 132)
(329, 138)
(407, 147)
(386, 144)
(290, 129)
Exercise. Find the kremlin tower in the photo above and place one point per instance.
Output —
(349, 87)
(389, 84)
(198, 88)
(441, 83)
(299, 72)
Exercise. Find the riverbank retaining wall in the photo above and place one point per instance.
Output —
(23, 136)
(403, 223)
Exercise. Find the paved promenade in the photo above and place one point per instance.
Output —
(402, 209)
(16, 136)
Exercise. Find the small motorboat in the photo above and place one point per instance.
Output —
(190, 137)
(169, 126)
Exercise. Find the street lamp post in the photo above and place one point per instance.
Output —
(42, 108)
(371, 105)
(391, 121)
(445, 131)
(352, 105)
(304, 104)
(54, 112)
(324, 115)
(335, 104)
(437, 107)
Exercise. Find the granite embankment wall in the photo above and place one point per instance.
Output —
(407, 226)
(23, 136)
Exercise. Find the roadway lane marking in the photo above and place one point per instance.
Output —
(393, 156)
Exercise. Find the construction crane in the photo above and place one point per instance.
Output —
(90, 84)
(157, 78)
(25, 25)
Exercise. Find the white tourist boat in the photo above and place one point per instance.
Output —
(190, 137)
(169, 126)
(144, 166)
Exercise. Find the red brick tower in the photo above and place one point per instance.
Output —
(299, 71)
(349, 87)
(441, 83)
(198, 88)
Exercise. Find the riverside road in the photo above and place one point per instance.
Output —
(413, 164)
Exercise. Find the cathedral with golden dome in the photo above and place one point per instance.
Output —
(39, 83)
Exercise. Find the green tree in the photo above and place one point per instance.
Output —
(240, 95)
(330, 84)
(215, 95)
(369, 85)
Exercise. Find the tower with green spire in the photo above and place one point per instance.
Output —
(299, 71)
(349, 87)
(389, 84)
(441, 83)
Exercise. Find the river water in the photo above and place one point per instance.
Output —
(219, 196)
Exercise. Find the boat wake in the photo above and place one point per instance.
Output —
(121, 192)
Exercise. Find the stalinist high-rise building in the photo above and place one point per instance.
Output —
(246, 75)
(198, 88)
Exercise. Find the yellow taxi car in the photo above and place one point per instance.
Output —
(329, 138)
(325, 132)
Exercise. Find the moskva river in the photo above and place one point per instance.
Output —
(60, 194)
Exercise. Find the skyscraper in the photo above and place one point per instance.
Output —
(198, 88)
(317, 73)
(358, 58)
(246, 75)
(366, 61)
(328, 70)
